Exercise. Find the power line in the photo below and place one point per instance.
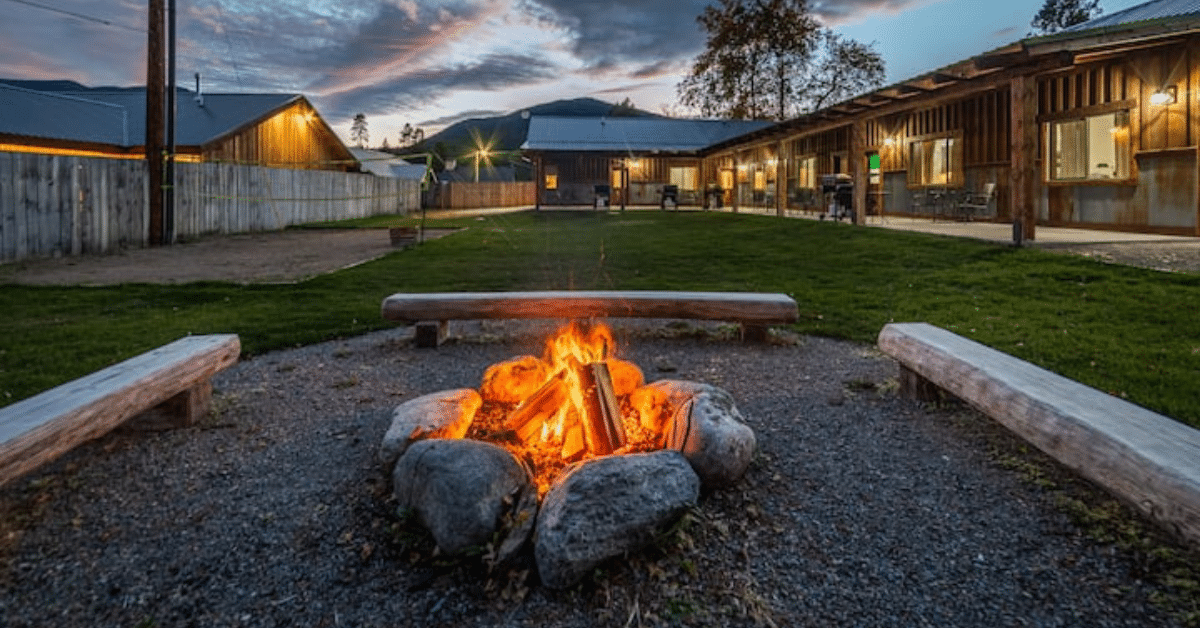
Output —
(78, 16)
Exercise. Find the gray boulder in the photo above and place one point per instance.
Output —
(468, 494)
(708, 429)
(446, 414)
(602, 508)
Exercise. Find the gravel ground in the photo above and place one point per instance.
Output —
(861, 509)
(1168, 256)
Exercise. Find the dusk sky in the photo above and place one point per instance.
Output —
(431, 63)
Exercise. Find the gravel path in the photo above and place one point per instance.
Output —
(861, 509)
(1171, 256)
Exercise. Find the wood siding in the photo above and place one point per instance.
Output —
(579, 174)
(468, 195)
(1160, 194)
(294, 138)
(54, 205)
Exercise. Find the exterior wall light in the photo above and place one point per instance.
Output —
(1164, 96)
(889, 141)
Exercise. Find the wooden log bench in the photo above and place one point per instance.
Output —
(755, 311)
(1148, 460)
(174, 380)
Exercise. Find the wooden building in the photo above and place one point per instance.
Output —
(1096, 126)
(622, 160)
(65, 118)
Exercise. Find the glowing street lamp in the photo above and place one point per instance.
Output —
(482, 153)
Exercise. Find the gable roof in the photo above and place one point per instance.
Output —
(117, 116)
(666, 135)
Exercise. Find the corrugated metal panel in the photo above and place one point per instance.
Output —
(196, 123)
(61, 117)
(631, 134)
(1154, 10)
(117, 117)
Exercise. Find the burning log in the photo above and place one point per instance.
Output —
(602, 414)
(573, 443)
(529, 418)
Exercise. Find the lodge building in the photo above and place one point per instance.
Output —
(1096, 126)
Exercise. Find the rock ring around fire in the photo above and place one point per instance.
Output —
(469, 493)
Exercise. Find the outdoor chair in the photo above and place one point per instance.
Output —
(974, 203)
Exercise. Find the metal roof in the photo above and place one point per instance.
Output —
(1153, 10)
(388, 165)
(47, 115)
(636, 135)
(118, 117)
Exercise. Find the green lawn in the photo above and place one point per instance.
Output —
(1127, 331)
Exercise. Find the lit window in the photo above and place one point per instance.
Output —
(1091, 148)
(935, 162)
(806, 173)
(684, 178)
(552, 181)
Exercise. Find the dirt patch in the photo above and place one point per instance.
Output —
(1175, 257)
(273, 257)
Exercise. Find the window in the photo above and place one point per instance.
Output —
(684, 178)
(802, 182)
(551, 177)
(727, 179)
(935, 162)
(806, 173)
(1089, 149)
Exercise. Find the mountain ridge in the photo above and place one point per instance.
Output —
(507, 132)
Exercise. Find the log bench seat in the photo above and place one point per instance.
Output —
(174, 379)
(431, 311)
(1148, 460)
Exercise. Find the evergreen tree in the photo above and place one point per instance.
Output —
(358, 130)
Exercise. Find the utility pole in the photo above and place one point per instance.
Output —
(168, 229)
(154, 119)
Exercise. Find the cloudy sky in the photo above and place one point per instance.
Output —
(430, 63)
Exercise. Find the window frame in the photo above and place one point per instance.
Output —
(916, 176)
(1123, 154)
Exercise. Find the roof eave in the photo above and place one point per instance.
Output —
(1073, 41)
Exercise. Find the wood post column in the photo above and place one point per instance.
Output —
(1023, 175)
(781, 163)
(858, 171)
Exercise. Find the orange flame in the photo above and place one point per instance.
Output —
(548, 398)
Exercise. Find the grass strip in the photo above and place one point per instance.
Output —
(1126, 331)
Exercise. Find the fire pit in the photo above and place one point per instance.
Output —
(572, 448)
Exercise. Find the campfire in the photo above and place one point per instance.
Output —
(560, 438)
(576, 402)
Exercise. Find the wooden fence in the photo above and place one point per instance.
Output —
(467, 195)
(54, 205)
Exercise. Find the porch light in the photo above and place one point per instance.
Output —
(889, 141)
(1164, 96)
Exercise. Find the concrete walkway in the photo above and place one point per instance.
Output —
(1003, 232)
(993, 231)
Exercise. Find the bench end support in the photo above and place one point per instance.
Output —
(755, 333)
(430, 334)
(914, 386)
(182, 410)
